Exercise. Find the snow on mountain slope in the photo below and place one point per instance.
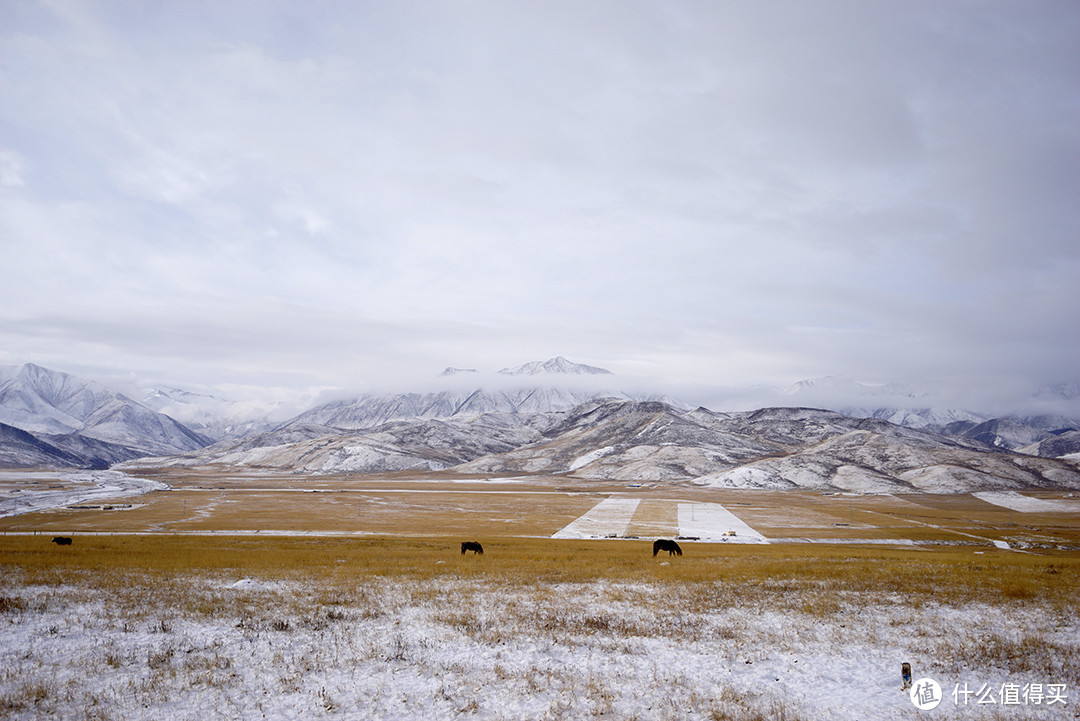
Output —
(38, 400)
(554, 365)
(21, 449)
(882, 460)
(769, 448)
(905, 406)
(544, 392)
(410, 444)
(451, 371)
(626, 440)
(619, 439)
(84, 419)
(549, 417)
(475, 421)
(1056, 446)
(893, 402)
(1015, 432)
(212, 416)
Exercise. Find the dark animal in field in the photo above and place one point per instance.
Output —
(471, 546)
(665, 545)
(61, 540)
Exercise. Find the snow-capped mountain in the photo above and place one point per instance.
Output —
(554, 365)
(459, 421)
(639, 441)
(552, 417)
(451, 371)
(842, 386)
(873, 456)
(628, 440)
(1058, 445)
(541, 390)
(1057, 392)
(38, 400)
(369, 411)
(1017, 431)
(211, 416)
(19, 449)
(895, 402)
(905, 406)
(90, 423)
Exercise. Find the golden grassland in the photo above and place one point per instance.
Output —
(955, 576)
(426, 505)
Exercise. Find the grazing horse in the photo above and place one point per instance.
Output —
(471, 546)
(61, 540)
(665, 545)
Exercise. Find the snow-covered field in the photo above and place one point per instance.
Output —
(230, 647)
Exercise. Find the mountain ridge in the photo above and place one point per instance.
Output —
(615, 439)
(91, 425)
(556, 365)
(551, 417)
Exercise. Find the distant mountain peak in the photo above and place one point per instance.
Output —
(843, 384)
(452, 371)
(557, 364)
(1059, 391)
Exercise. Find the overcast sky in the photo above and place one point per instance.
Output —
(308, 195)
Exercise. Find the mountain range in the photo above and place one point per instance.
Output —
(52, 418)
(553, 417)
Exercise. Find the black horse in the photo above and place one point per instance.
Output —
(665, 545)
(61, 540)
(471, 546)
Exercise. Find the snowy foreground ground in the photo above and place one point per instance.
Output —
(221, 646)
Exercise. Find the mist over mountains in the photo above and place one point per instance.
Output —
(551, 417)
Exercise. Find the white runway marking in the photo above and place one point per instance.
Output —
(609, 517)
(710, 521)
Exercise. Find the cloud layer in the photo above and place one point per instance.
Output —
(706, 192)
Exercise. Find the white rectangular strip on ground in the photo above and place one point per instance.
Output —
(1028, 504)
(713, 522)
(609, 517)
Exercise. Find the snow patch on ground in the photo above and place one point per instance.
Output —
(1028, 504)
(250, 584)
(609, 517)
(589, 457)
(713, 522)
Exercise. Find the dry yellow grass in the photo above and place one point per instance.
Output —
(407, 504)
(654, 518)
(944, 576)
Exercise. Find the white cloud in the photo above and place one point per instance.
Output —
(11, 169)
(722, 193)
